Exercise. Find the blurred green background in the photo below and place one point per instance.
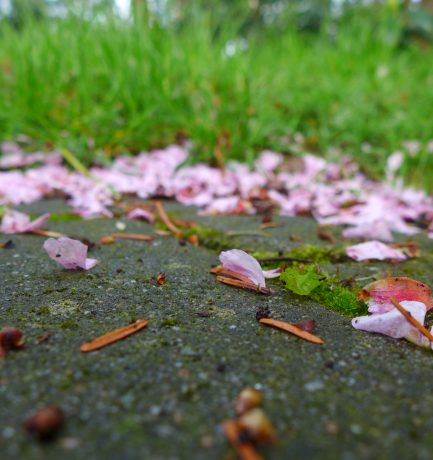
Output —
(231, 77)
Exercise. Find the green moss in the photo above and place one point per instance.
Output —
(44, 310)
(308, 252)
(64, 217)
(326, 289)
(169, 322)
(317, 254)
(68, 324)
(215, 240)
(339, 298)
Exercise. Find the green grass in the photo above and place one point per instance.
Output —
(109, 87)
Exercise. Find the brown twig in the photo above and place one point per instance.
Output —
(242, 284)
(165, 219)
(292, 330)
(245, 450)
(113, 336)
(411, 319)
(48, 233)
(224, 271)
(132, 236)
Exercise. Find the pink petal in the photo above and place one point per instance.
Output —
(378, 293)
(274, 273)
(37, 223)
(244, 264)
(374, 250)
(72, 254)
(392, 323)
(18, 222)
(138, 213)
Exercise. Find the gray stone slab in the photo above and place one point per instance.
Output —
(160, 393)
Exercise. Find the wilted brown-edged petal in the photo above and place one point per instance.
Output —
(378, 294)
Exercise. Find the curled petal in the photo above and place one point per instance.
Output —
(138, 213)
(241, 262)
(393, 323)
(274, 273)
(72, 254)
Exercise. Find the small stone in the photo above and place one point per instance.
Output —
(355, 428)
(70, 443)
(207, 442)
(314, 385)
(8, 432)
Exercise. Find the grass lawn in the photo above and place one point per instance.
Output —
(105, 87)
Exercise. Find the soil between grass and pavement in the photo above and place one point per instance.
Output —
(163, 392)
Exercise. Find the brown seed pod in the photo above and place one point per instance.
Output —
(248, 399)
(45, 423)
(10, 339)
(256, 423)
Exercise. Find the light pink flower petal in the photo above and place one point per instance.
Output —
(90, 263)
(392, 323)
(72, 254)
(241, 262)
(138, 213)
(374, 250)
(274, 273)
(268, 161)
(18, 222)
(37, 223)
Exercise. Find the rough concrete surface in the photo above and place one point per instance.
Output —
(163, 393)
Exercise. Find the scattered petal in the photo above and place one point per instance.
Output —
(139, 213)
(18, 222)
(392, 323)
(72, 254)
(239, 261)
(377, 294)
(374, 250)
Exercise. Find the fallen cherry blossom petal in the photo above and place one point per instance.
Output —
(139, 213)
(374, 250)
(393, 323)
(18, 222)
(239, 261)
(72, 254)
(377, 294)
